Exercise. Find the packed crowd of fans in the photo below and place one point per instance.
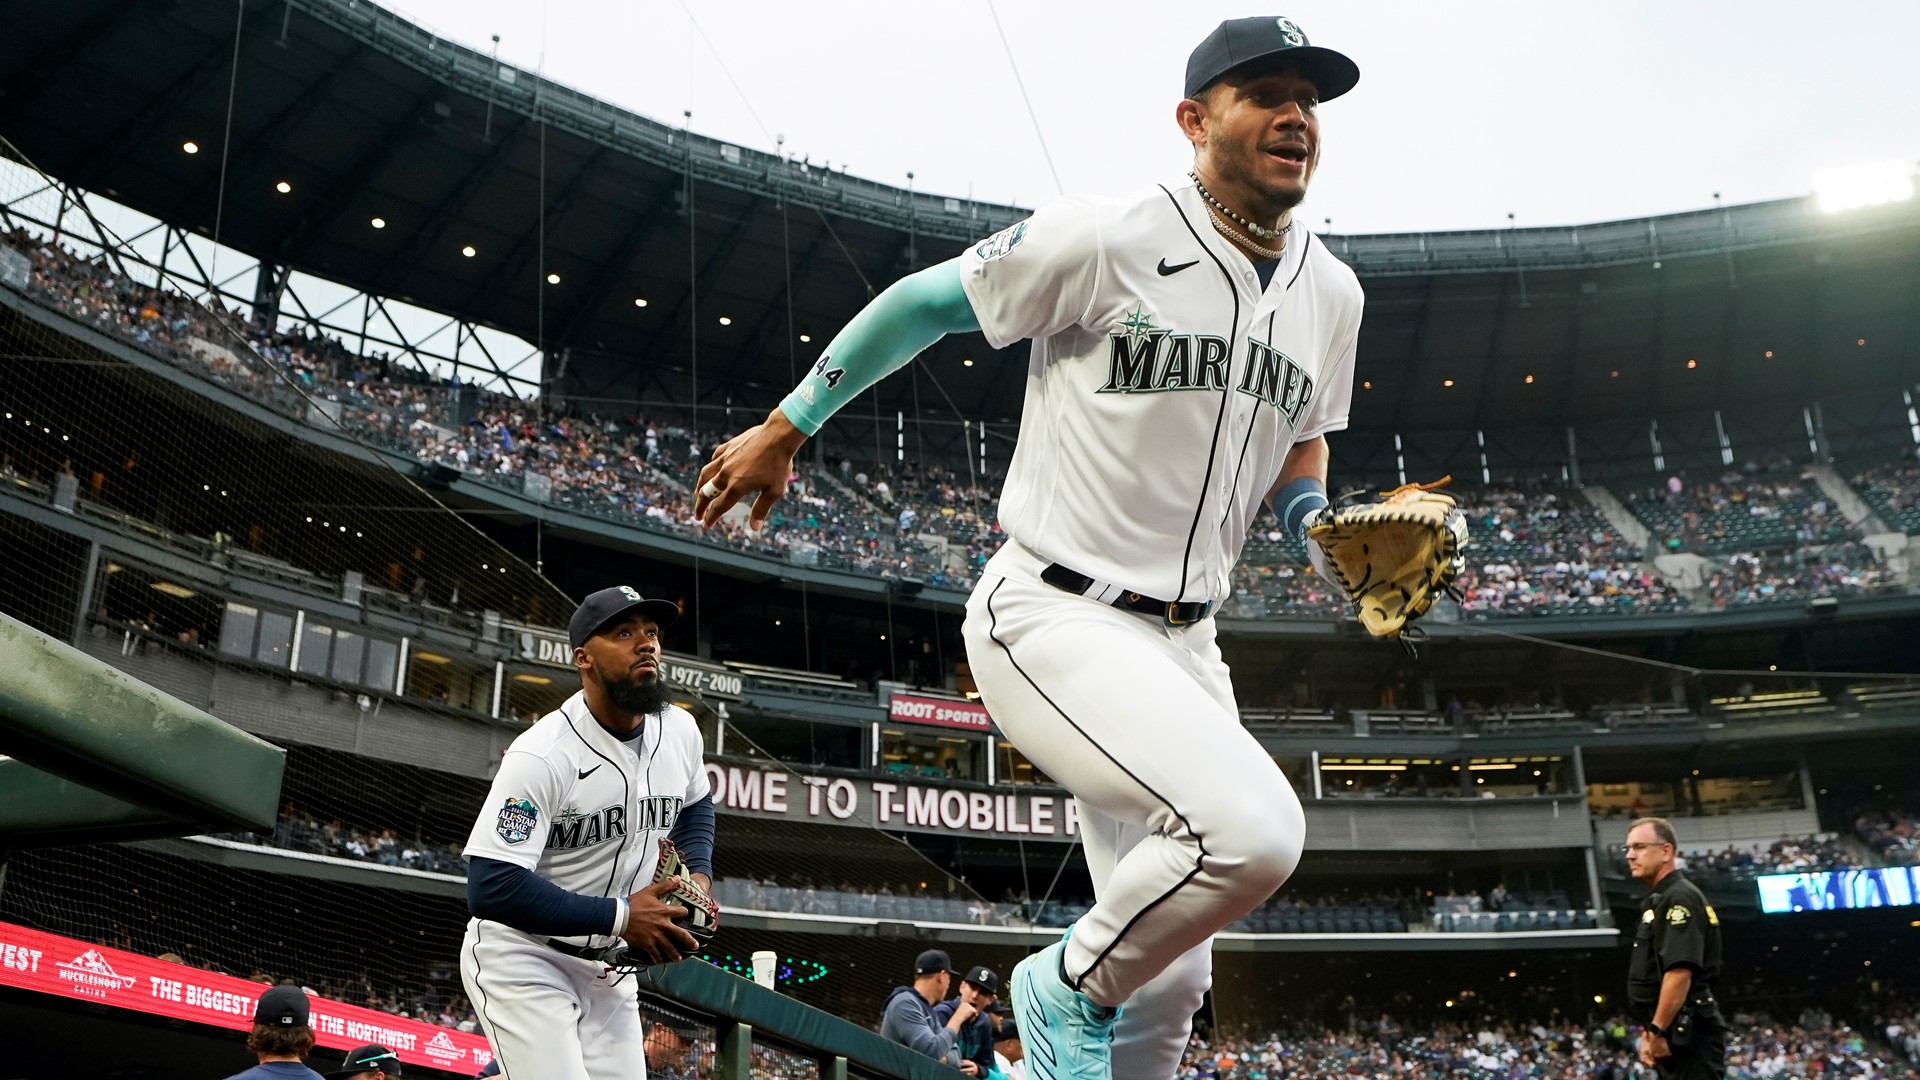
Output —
(1534, 550)
(1849, 568)
(1892, 489)
(1763, 506)
(1549, 552)
(1758, 1048)
(297, 830)
(1783, 856)
(1894, 835)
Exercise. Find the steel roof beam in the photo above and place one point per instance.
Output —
(261, 143)
(527, 250)
(647, 225)
(353, 179)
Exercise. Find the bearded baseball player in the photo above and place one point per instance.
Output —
(1193, 344)
(573, 825)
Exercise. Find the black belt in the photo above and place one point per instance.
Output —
(1175, 614)
(612, 955)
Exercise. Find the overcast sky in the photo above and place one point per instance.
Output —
(1466, 110)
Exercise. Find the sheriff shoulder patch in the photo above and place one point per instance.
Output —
(1647, 915)
(1676, 916)
(516, 821)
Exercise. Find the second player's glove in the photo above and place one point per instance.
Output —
(1395, 557)
(703, 913)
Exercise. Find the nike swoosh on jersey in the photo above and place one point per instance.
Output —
(1168, 271)
(584, 773)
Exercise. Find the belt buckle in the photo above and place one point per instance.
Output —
(1173, 619)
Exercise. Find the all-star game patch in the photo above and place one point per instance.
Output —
(516, 821)
(997, 245)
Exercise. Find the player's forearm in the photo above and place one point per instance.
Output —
(693, 835)
(1673, 994)
(1302, 486)
(910, 315)
(504, 893)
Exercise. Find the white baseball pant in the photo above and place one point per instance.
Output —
(551, 1016)
(1188, 822)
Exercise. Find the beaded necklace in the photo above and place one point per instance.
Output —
(1260, 231)
(1242, 239)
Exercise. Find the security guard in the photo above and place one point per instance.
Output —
(1676, 957)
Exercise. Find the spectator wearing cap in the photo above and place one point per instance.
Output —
(1009, 1057)
(369, 1062)
(908, 1018)
(670, 1050)
(281, 1037)
(974, 1040)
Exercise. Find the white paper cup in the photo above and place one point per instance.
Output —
(763, 961)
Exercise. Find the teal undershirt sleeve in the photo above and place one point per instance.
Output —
(910, 315)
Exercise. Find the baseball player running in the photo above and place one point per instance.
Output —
(572, 824)
(1192, 346)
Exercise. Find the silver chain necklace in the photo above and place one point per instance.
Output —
(1260, 231)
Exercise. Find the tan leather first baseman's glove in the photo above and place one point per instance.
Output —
(703, 914)
(1395, 557)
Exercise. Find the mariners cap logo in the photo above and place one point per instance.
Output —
(627, 591)
(1291, 31)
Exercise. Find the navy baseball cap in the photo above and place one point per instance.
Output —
(282, 1006)
(601, 608)
(984, 978)
(1277, 40)
(931, 961)
(367, 1059)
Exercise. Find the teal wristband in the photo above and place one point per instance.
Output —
(1297, 501)
(910, 315)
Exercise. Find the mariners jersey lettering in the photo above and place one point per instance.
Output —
(1165, 385)
(585, 810)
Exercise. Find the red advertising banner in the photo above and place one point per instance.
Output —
(940, 712)
(63, 967)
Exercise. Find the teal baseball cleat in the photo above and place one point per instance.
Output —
(1066, 1035)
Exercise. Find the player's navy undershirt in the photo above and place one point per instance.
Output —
(1266, 271)
(522, 899)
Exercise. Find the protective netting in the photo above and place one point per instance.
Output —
(223, 505)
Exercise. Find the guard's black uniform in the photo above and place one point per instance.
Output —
(1678, 928)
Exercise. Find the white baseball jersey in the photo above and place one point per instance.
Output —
(586, 810)
(1166, 385)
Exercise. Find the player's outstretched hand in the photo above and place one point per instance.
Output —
(758, 459)
(651, 927)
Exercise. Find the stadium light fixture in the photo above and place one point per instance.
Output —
(1446, 382)
(1856, 186)
(804, 338)
(1529, 380)
(468, 251)
(190, 147)
(1769, 354)
(283, 188)
(639, 301)
(1861, 341)
(968, 362)
(378, 223)
(1692, 363)
(553, 279)
(724, 321)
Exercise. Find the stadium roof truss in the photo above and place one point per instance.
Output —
(183, 263)
(1506, 342)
